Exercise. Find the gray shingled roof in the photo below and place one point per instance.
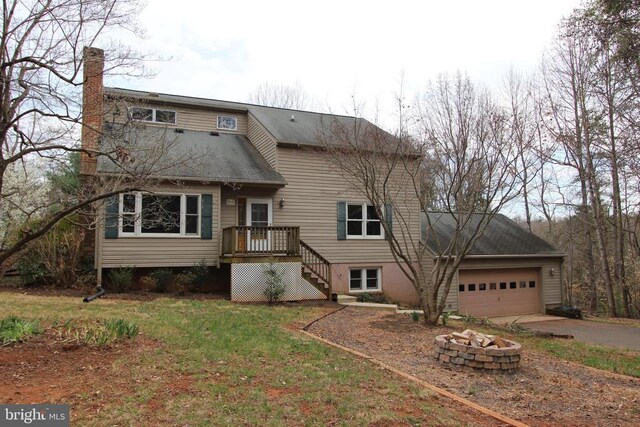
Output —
(502, 237)
(305, 129)
(192, 155)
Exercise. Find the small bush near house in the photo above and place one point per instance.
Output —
(445, 317)
(120, 279)
(415, 316)
(184, 281)
(374, 298)
(200, 272)
(275, 285)
(162, 277)
(15, 329)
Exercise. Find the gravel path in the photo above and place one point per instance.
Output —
(544, 392)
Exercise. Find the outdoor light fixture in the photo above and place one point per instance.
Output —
(551, 272)
(282, 203)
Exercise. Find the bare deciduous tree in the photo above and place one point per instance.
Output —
(41, 111)
(459, 142)
(282, 96)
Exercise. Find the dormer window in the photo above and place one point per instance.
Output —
(227, 123)
(153, 115)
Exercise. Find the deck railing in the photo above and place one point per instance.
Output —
(247, 240)
(316, 263)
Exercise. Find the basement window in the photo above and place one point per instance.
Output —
(512, 285)
(482, 287)
(364, 280)
(492, 286)
(532, 284)
(472, 287)
(461, 287)
(153, 115)
(503, 285)
(523, 283)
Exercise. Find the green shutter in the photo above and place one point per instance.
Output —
(388, 218)
(112, 210)
(342, 220)
(206, 216)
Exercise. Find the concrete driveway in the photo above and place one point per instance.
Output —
(588, 331)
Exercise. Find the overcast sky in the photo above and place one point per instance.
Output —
(334, 49)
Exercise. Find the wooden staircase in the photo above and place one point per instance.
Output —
(316, 269)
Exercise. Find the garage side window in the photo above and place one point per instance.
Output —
(532, 284)
(461, 287)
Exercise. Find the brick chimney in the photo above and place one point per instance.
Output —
(92, 107)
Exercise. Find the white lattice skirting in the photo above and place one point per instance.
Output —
(248, 282)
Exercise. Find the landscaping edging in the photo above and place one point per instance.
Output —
(494, 360)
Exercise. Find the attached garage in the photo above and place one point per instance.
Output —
(509, 270)
(503, 292)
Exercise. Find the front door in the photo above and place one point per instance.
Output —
(259, 215)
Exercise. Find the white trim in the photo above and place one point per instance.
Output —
(263, 243)
(363, 280)
(138, 216)
(235, 119)
(363, 221)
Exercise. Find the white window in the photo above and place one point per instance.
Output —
(365, 280)
(153, 115)
(363, 222)
(227, 123)
(159, 215)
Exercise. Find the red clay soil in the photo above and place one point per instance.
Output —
(544, 392)
(88, 378)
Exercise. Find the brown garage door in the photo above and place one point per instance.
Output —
(499, 292)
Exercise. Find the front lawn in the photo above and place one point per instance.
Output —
(207, 362)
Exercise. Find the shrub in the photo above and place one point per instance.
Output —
(445, 317)
(200, 272)
(375, 298)
(162, 277)
(184, 281)
(14, 329)
(55, 259)
(120, 279)
(415, 316)
(275, 285)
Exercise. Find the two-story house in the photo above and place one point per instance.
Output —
(253, 186)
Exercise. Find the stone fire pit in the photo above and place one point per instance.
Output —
(484, 352)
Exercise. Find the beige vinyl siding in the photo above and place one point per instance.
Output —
(310, 202)
(229, 212)
(164, 251)
(551, 284)
(261, 139)
(452, 298)
(186, 118)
